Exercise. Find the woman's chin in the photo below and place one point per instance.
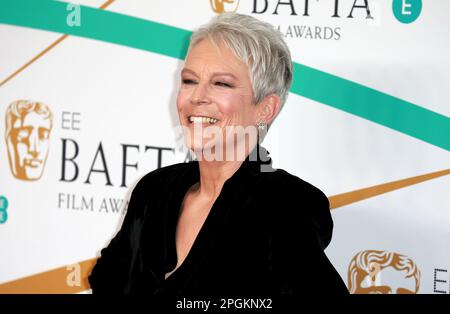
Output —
(201, 145)
(207, 150)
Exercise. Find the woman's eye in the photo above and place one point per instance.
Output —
(223, 84)
(188, 81)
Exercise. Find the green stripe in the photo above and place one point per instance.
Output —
(372, 105)
(97, 24)
(319, 86)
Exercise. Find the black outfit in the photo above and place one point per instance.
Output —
(264, 236)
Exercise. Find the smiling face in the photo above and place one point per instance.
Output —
(215, 95)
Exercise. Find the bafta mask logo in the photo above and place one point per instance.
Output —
(28, 127)
(381, 272)
(221, 6)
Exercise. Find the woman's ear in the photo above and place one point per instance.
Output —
(270, 106)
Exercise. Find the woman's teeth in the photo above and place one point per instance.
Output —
(194, 119)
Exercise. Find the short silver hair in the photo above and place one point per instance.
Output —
(259, 45)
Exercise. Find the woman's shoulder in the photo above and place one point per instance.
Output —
(291, 185)
(300, 200)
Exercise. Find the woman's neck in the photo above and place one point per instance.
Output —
(213, 175)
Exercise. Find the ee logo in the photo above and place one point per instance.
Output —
(406, 11)
(3, 207)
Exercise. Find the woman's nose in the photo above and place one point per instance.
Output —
(200, 95)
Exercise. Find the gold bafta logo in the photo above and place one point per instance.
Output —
(382, 272)
(221, 6)
(28, 126)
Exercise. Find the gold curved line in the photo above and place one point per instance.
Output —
(54, 281)
(347, 198)
(43, 52)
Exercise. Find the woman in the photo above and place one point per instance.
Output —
(222, 225)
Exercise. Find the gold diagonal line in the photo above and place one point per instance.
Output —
(43, 52)
(106, 4)
(55, 280)
(343, 199)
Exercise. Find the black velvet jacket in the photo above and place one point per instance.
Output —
(264, 236)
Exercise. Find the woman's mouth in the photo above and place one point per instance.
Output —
(202, 120)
